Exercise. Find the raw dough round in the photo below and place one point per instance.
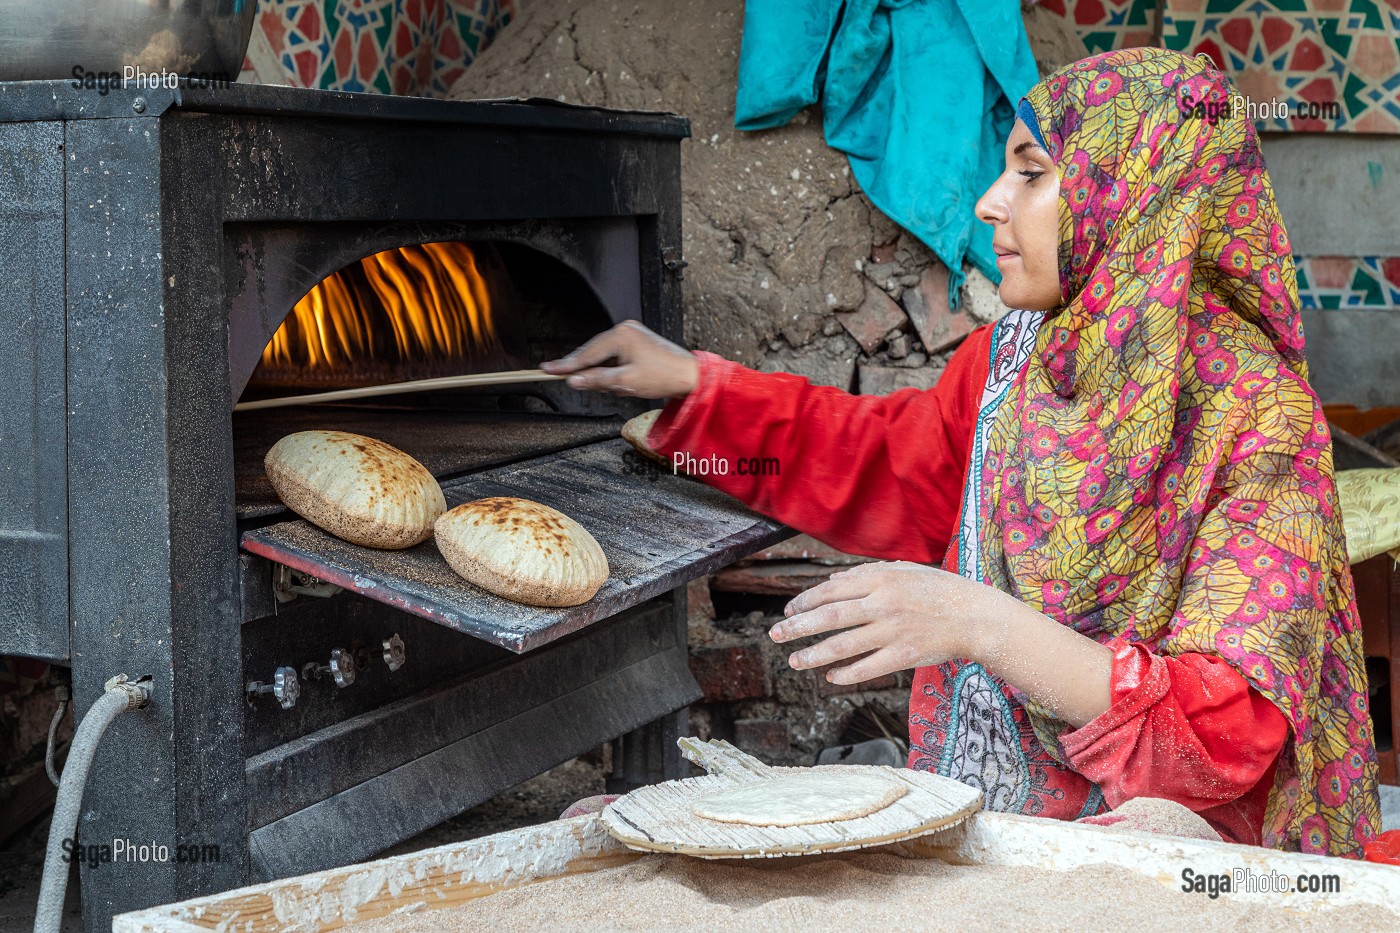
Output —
(355, 487)
(799, 799)
(522, 550)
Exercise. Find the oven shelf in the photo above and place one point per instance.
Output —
(657, 530)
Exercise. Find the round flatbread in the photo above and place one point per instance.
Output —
(800, 799)
(355, 487)
(635, 432)
(522, 550)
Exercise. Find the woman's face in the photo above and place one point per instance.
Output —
(1023, 208)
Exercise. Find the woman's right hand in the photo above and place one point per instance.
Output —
(642, 363)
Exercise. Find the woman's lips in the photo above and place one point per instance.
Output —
(1006, 257)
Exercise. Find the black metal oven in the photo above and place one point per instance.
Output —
(316, 702)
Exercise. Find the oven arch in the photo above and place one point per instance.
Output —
(276, 265)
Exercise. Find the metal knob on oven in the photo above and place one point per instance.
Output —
(284, 687)
(341, 668)
(394, 655)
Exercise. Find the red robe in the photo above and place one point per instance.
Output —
(882, 476)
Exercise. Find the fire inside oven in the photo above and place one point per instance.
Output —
(402, 313)
(428, 310)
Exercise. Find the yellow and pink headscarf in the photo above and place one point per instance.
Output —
(1163, 468)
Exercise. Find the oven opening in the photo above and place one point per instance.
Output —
(428, 310)
(425, 311)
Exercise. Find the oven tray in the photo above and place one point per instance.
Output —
(657, 530)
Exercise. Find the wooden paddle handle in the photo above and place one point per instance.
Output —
(719, 757)
(399, 388)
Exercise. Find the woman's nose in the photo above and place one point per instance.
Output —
(991, 207)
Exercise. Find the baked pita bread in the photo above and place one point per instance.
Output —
(522, 550)
(635, 432)
(355, 487)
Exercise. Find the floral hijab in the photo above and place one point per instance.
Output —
(1163, 470)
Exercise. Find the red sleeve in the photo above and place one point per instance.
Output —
(880, 476)
(1188, 728)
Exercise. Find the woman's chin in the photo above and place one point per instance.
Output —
(1014, 294)
(1012, 297)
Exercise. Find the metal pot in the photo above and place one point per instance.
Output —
(94, 40)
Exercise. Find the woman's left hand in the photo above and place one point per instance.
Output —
(894, 616)
(898, 615)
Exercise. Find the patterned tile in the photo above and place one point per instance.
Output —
(1348, 281)
(1305, 65)
(411, 47)
(1107, 24)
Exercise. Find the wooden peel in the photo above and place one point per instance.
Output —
(398, 388)
(658, 817)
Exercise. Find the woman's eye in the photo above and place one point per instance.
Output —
(1030, 176)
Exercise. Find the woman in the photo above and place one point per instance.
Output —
(1129, 483)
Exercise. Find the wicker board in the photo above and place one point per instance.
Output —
(658, 818)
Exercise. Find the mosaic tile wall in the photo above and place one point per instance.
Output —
(1348, 282)
(1319, 66)
(414, 47)
(1305, 54)
(1327, 65)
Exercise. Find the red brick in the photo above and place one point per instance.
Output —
(766, 738)
(727, 674)
(699, 606)
(938, 325)
(877, 315)
(773, 578)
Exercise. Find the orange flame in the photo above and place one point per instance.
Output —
(434, 298)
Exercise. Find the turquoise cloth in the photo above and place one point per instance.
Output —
(920, 94)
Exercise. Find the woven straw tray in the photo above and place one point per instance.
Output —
(658, 817)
